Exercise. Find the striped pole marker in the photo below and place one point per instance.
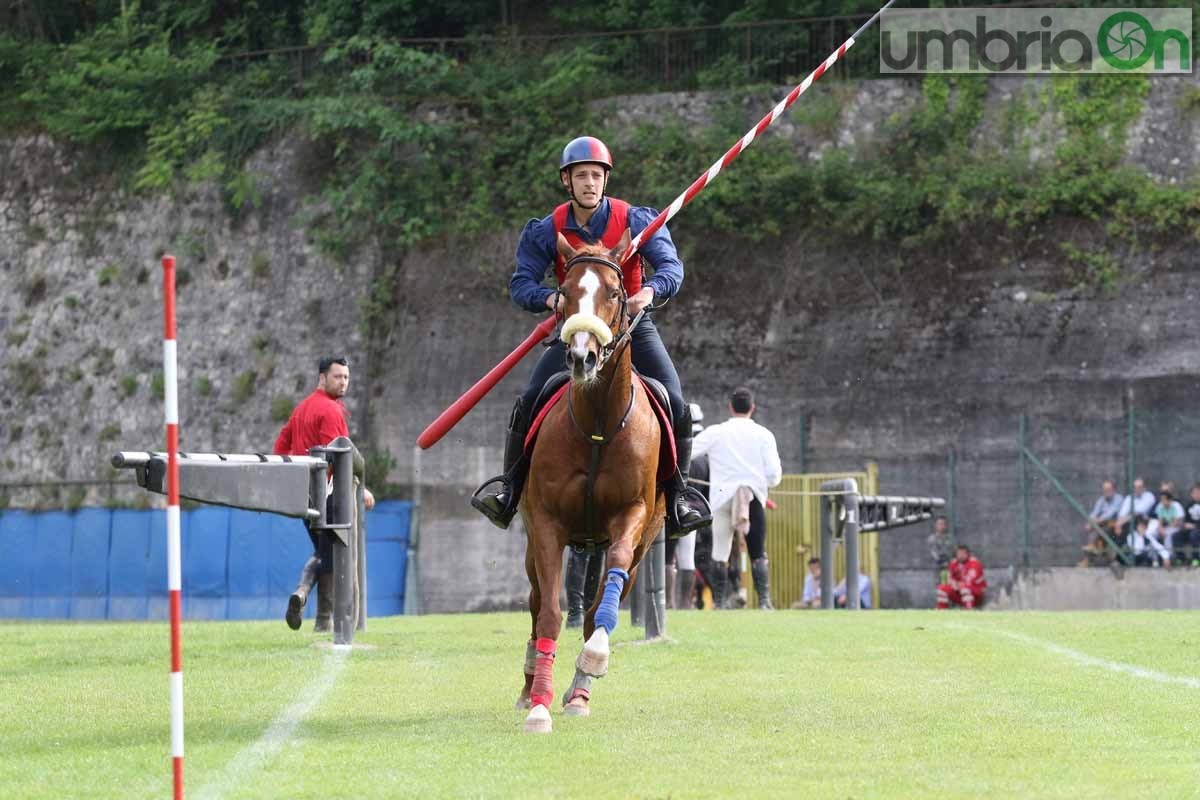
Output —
(452, 415)
(733, 152)
(174, 569)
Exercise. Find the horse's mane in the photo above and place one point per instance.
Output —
(597, 249)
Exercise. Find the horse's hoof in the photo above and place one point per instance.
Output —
(522, 703)
(578, 707)
(538, 720)
(593, 658)
(592, 662)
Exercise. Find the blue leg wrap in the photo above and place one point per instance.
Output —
(606, 613)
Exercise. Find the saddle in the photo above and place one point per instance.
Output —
(556, 388)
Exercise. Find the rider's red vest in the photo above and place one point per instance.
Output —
(618, 221)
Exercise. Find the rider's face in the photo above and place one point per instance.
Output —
(586, 182)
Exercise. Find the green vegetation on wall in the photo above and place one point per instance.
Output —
(407, 145)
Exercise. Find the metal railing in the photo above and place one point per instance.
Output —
(695, 57)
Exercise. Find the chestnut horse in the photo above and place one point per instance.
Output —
(591, 478)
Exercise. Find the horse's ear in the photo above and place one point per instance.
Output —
(564, 248)
(623, 245)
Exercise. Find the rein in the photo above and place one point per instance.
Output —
(600, 438)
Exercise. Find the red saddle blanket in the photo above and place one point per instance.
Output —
(666, 439)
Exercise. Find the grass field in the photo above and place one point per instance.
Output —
(739, 704)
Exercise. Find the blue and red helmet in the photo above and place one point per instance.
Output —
(585, 150)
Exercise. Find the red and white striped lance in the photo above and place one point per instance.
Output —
(733, 152)
(174, 567)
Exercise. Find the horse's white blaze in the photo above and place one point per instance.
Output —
(591, 284)
(579, 344)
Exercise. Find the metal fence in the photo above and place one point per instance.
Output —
(72, 494)
(659, 59)
(794, 536)
(778, 51)
(1021, 491)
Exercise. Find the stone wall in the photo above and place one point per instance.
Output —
(1083, 589)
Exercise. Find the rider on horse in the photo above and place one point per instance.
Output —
(590, 217)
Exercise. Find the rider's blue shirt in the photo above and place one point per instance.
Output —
(536, 253)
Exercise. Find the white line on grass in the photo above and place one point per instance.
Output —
(254, 756)
(1085, 659)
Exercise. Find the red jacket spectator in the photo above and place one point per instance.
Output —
(318, 420)
(966, 584)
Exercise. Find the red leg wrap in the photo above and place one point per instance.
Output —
(542, 693)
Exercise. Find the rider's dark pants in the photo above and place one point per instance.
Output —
(756, 537)
(649, 358)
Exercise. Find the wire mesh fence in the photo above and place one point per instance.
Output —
(1022, 498)
(780, 51)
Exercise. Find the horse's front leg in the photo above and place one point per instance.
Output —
(523, 703)
(601, 618)
(545, 544)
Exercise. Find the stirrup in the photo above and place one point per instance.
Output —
(497, 513)
(702, 517)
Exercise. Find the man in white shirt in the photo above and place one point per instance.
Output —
(741, 455)
(1140, 501)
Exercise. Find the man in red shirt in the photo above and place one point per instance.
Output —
(966, 584)
(317, 420)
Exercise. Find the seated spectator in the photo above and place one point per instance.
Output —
(966, 585)
(811, 597)
(1104, 516)
(864, 592)
(1187, 541)
(1168, 522)
(1146, 549)
(1140, 501)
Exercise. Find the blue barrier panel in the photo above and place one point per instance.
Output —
(290, 548)
(205, 573)
(249, 564)
(52, 551)
(89, 563)
(158, 603)
(387, 554)
(129, 560)
(97, 563)
(18, 534)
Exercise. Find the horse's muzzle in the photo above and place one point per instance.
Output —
(582, 359)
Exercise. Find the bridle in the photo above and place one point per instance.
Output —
(623, 333)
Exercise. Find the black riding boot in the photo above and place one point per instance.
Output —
(499, 504)
(687, 509)
(762, 583)
(576, 580)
